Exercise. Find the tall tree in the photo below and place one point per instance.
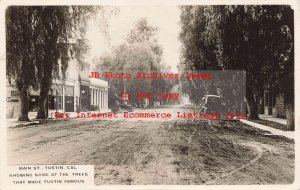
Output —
(20, 56)
(143, 33)
(59, 25)
(257, 39)
(140, 53)
(40, 36)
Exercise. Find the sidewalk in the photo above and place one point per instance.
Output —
(271, 118)
(12, 122)
(288, 134)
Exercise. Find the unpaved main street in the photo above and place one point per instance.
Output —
(158, 151)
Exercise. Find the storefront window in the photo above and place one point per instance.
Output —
(33, 103)
(58, 100)
(69, 90)
(69, 98)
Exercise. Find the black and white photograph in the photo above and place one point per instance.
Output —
(164, 94)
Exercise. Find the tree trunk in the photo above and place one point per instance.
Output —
(289, 111)
(45, 83)
(24, 109)
(42, 103)
(251, 105)
(47, 63)
(288, 94)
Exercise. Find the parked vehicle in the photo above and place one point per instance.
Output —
(122, 107)
(126, 107)
(212, 103)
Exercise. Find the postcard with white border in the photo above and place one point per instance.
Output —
(149, 94)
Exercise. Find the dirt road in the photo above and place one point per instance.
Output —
(158, 151)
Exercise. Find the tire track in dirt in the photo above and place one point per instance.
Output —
(259, 151)
(159, 152)
(149, 162)
(165, 170)
(226, 152)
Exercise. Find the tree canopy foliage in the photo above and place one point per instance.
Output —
(38, 45)
(257, 39)
(139, 53)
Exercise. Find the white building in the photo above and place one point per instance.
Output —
(77, 92)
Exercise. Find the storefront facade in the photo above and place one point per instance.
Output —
(76, 93)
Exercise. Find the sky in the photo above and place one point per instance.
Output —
(165, 18)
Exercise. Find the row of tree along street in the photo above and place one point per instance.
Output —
(140, 53)
(257, 39)
(38, 48)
